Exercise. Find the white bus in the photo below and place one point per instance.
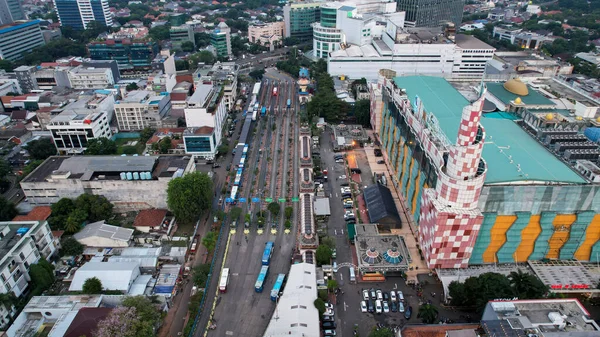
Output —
(224, 280)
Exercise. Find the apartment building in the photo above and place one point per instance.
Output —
(91, 78)
(86, 118)
(17, 39)
(140, 109)
(22, 243)
(266, 33)
(224, 74)
(298, 18)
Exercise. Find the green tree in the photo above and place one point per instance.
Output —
(288, 224)
(146, 134)
(97, 207)
(6, 65)
(160, 33)
(146, 310)
(200, 274)
(289, 211)
(92, 286)
(101, 146)
(428, 313)
(527, 286)
(332, 285)
(5, 169)
(42, 276)
(203, 56)
(70, 247)
(362, 112)
(477, 291)
(235, 213)
(7, 210)
(383, 332)
(328, 241)
(257, 74)
(210, 241)
(274, 208)
(320, 305)
(41, 149)
(323, 255)
(75, 220)
(223, 149)
(131, 87)
(188, 46)
(165, 145)
(181, 65)
(202, 39)
(8, 299)
(60, 213)
(189, 196)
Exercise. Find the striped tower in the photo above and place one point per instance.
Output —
(449, 216)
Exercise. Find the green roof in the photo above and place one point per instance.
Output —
(533, 98)
(439, 98)
(446, 103)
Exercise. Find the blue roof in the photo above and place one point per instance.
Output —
(504, 137)
(17, 26)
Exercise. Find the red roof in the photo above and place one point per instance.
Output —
(58, 234)
(434, 330)
(6, 99)
(38, 213)
(150, 218)
(49, 64)
(178, 96)
(205, 130)
(184, 78)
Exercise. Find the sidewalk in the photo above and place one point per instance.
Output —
(409, 228)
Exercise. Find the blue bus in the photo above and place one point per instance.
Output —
(263, 111)
(262, 277)
(277, 287)
(266, 258)
(289, 103)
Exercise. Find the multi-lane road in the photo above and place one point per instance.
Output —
(241, 311)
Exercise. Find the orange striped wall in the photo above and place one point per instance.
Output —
(560, 237)
(498, 236)
(592, 235)
(409, 179)
(416, 194)
(528, 236)
(401, 169)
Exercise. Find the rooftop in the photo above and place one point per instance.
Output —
(380, 252)
(88, 70)
(533, 98)
(114, 275)
(446, 103)
(380, 203)
(470, 42)
(38, 213)
(150, 218)
(86, 321)
(436, 330)
(16, 26)
(13, 233)
(100, 229)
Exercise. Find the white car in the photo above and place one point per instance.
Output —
(378, 307)
(386, 307)
(400, 296)
(365, 294)
(400, 307)
(363, 306)
(339, 161)
(379, 295)
(329, 312)
(342, 177)
(393, 296)
(329, 306)
(345, 190)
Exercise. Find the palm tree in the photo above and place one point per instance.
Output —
(428, 313)
(518, 281)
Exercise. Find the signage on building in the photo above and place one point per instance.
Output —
(569, 286)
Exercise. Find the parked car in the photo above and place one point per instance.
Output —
(342, 177)
(400, 307)
(381, 162)
(386, 296)
(386, 307)
(400, 296)
(377, 152)
(348, 206)
(378, 307)
(329, 332)
(328, 318)
(394, 306)
(341, 161)
(379, 294)
(355, 170)
(328, 306)
(365, 294)
(393, 296)
(334, 253)
(408, 312)
(373, 294)
(363, 306)
(328, 325)
(370, 306)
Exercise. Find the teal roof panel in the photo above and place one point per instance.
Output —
(533, 98)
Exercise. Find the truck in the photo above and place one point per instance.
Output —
(275, 91)
(289, 103)
(263, 111)
(254, 115)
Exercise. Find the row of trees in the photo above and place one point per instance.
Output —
(69, 215)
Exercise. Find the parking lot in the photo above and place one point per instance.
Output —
(347, 302)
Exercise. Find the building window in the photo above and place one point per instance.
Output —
(22, 256)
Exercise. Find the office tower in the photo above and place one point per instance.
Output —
(221, 40)
(17, 39)
(10, 11)
(78, 13)
(299, 17)
(431, 13)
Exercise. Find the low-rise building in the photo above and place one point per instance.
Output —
(113, 275)
(224, 74)
(266, 33)
(102, 235)
(76, 123)
(140, 109)
(91, 78)
(130, 183)
(149, 220)
(520, 37)
(19, 38)
(164, 62)
(591, 58)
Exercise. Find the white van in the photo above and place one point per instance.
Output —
(352, 275)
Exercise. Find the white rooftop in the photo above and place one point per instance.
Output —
(113, 275)
(296, 314)
(101, 229)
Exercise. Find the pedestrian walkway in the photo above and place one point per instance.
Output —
(409, 227)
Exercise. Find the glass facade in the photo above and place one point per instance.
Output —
(128, 55)
(68, 12)
(328, 17)
(432, 13)
(301, 20)
(98, 12)
(195, 144)
(219, 41)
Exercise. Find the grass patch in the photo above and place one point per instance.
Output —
(124, 146)
(184, 229)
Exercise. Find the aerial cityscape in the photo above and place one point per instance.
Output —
(306, 168)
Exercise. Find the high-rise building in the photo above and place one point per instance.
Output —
(220, 39)
(299, 17)
(10, 11)
(78, 13)
(17, 39)
(181, 34)
(129, 54)
(431, 13)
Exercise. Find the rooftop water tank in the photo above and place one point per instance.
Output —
(123, 176)
(136, 176)
(129, 176)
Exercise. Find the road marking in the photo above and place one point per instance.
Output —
(345, 306)
(229, 333)
(336, 195)
(335, 231)
(342, 231)
(341, 277)
(235, 274)
(395, 285)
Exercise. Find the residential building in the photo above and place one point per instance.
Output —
(299, 17)
(176, 136)
(266, 33)
(76, 123)
(9, 83)
(224, 74)
(22, 244)
(134, 33)
(25, 78)
(181, 34)
(220, 39)
(164, 62)
(520, 37)
(110, 64)
(140, 109)
(432, 13)
(149, 220)
(91, 78)
(43, 77)
(102, 235)
(17, 39)
(204, 116)
(466, 176)
(543, 318)
(591, 58)
(129, 54)
(77, 14)
(113, 275)
(130, 183)
(294, 315)
(11, 11)
(427, 51)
